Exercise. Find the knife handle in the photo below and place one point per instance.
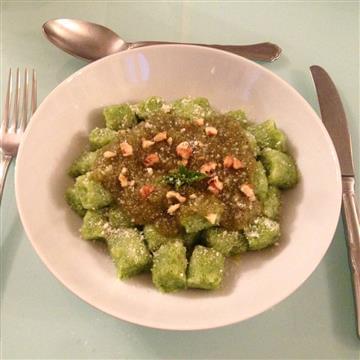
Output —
(351, 218)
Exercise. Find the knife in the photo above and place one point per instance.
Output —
(334, 119)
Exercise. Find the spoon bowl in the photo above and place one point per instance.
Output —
(83, 39)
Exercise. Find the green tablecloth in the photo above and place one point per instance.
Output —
(41, 319)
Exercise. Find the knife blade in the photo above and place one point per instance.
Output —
(334, 119)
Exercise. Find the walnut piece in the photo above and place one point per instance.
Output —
(161, 136)
(211, 218)
(199, 121)
(173, 208)
(147, 143)
(184, 150)
(210, 131)
(175, 195)
(146, 190)
(232, 162)
(208, 168)
(123, 180)
(228, 162)
(248, 191)
(238, 164)
(151, 159)
(109, 154)
(215, 185)
(126, 149)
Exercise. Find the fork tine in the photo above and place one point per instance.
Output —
(33, 92)
(16, 99)
(24, 114)
(6, 111)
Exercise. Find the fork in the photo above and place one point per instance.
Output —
(16, 115)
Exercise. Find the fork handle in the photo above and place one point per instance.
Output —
(4, 166)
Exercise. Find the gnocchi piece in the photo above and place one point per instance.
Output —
(149, 107)
(280, 168)
(267, 135)
(192, 108)
(92, 194)
(94, 226)
(73, 200)
(169, 267)
(260, 181)
(262, 233)
(226, 242)
(272, 203)
(119, 117)
(129, 252)
(99, 137)
(83, 163)
(206, 268)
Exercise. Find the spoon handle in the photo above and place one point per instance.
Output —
(259, 52)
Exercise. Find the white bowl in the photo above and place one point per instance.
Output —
(57, 133)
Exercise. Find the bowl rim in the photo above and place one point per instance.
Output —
(88, 67)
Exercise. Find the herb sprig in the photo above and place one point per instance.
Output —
(183, 176)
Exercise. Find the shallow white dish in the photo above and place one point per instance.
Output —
(57, 133)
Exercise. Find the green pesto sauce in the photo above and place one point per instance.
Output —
(239, 211)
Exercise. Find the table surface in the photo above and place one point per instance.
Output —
(42, 319)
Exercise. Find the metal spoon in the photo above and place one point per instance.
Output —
(91, 41)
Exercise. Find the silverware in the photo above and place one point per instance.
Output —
(91, 41)
(333, 116)
(16, 115)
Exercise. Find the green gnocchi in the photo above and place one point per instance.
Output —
(174, 189)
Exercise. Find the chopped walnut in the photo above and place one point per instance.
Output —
(147, 143)
(172, 209)
(176, 195)
(199, 121)
(213, 189)
(215, 185)
(123, 180)
(208, 168)
(248, 191)
(151, 159)
(146, 190)
(210, 131)
(211, 218)
(132, 183)
(160, 136)
(193, 196)
(232, 162)
(170, 140)
(184, 150)
(150, 170)
(124, 171)
(109, 154)
(126, 149)
(228, 162)
(238, 164)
